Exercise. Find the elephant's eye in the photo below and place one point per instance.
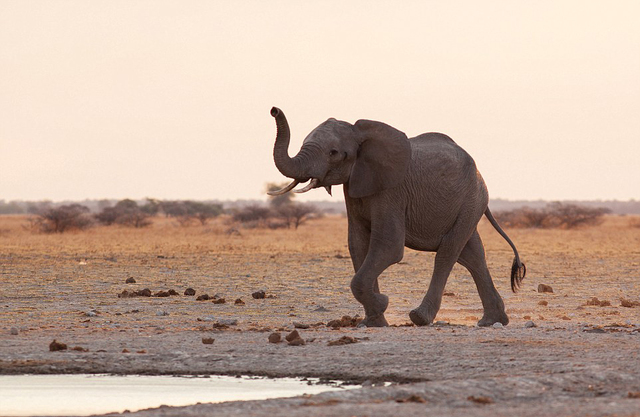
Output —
(333, 153)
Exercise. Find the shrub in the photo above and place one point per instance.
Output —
(185, 212)
(125, 212)
(295, 214)
(554, 215)
(63, 218)
(252, 216)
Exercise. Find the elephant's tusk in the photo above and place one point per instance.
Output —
(313, 184)
(285, 189)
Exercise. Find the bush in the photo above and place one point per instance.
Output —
(125, 212)
(253, 216)
(295, 214)
(62, 219)
(554, 215)
(185, 212)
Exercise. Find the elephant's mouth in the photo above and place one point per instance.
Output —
(314, 183)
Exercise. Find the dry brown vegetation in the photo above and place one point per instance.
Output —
(60, 275)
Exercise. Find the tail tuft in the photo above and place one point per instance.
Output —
(518, 271)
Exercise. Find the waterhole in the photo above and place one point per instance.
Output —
(81, 395)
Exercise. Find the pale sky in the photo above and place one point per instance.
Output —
(171, 99)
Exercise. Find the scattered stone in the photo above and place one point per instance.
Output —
(565, 318)
(294, 338)
(219, 326)
(441, 323)
(449, 294)
(140, 293)
(189, 292)
(345, 321)
(544, 288)
(162, 313)
(125, 350)
(203, 297)
(297, 342)
(527, 317)
(340, 256)
(629, 303)
(207, 318)
(219, 301)
(344, 340)
(321, 309)
(595, 330)
(239, 302)
(14, 331)
(480, 399)
(56, 346)
(633, 394)
(79, 349)
(161, 294)
(275, 337)
(595, 302)
(543, 303)
(529, 324)
(298, 325)
(141, 351)
(413, 398)
(497, 325)
(91, 313)
(173, 292)
(130, 280)
(259, 295)
(228, 322)
(208, 340)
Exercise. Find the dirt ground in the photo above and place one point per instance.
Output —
(581, 358)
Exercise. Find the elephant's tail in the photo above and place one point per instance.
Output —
(518, 269)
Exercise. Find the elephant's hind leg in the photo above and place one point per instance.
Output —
(473, 258)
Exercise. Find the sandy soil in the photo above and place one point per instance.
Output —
(579, 359)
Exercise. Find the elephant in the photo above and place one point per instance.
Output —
(423, 193)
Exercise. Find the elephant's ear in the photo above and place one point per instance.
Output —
(383, 159)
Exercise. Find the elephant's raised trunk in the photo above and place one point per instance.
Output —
(289, 167)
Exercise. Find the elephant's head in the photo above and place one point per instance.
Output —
(368, 156)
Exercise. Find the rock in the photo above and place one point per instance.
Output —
(544, 288)
(629, 303)
(208, 340)
(441, 323)
(294, 338)
(480, 399)
(529, 324)
(297, 342)
(543, 303)
(219, 301)
(189, 292)
(298, 325)
(344, 340)
(208, 318)
(162, 313)
(595, 302)
(449, 294)
(345, 321)
(203, 297)
(413, 398)
(14, 331)
(497, 325)
(321, 309)
(56, 346)
(259, 295)
(228, 322)
(173, 292)
(130, 280)
(275, 337)
(79, 349)
(91, 313)
(239, 302)
(161, 294)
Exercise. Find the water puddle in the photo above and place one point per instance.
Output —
(81, 395)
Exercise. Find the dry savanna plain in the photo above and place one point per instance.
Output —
(579, 356)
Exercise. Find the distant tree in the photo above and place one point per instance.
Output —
(252, 216)
(12, 207)
(125, 212)
(151, 207)
(554, 215)
(64, 218)
(282, 199)
(296, 214)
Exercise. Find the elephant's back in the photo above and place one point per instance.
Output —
(437, 152)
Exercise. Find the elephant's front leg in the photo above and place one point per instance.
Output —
(385, 247)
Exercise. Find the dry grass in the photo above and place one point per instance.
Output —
(49, 280)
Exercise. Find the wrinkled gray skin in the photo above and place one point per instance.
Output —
(424, 193)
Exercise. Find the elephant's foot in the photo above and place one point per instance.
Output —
(489, 319)
(377, 321)
(421, 316)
